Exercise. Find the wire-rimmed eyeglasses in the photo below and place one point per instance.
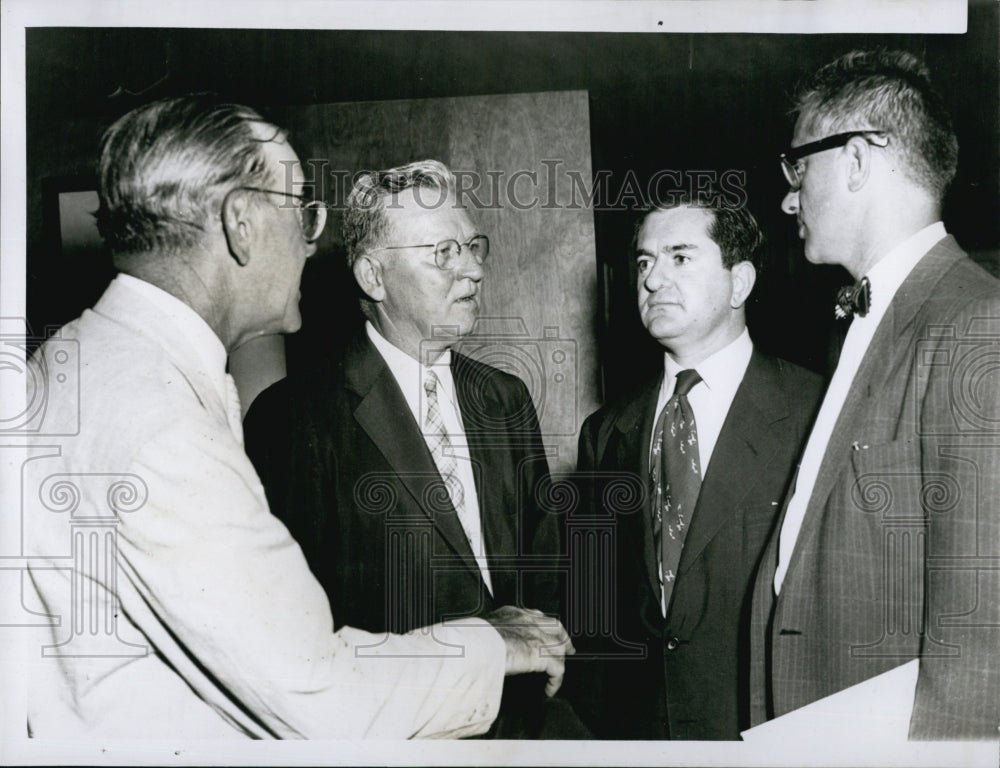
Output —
(791, 160)
(447, 252)
(312, 213)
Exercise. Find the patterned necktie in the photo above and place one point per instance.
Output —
(676, 478)
(234, 414)
(444, 458)
(440, 445)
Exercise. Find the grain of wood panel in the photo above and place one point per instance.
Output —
(539, 305)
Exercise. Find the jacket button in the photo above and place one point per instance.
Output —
(672, 644)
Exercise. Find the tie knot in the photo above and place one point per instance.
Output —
(685, 380)
(430, 382)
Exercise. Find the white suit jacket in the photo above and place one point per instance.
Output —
(181, 607)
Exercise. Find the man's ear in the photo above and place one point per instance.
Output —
(238, 225)
(368, 273)
(744, 277)
(859, 155)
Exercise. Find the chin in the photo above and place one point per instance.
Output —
(464, 322)
(292, 323)
(660, 328)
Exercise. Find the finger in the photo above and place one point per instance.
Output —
(554, 684)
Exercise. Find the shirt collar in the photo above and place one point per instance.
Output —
(408, 371)
(209, 347)
(893, 268)
(720, 369)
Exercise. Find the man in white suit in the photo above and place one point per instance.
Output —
(186, 610)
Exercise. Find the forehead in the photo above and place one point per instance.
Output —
(674, 226)
(429, 214)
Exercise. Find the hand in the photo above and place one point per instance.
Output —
(535, 643)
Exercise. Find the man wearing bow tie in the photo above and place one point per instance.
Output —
(713, 439)
(889, 546)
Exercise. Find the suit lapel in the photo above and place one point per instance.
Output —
(745, 447)
(635, 425)
(386, 418)
(894, 336)
(479, 409)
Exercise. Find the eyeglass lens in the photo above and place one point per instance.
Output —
(792, 175)
(447, 252)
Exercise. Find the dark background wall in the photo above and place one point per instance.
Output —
(665, 101)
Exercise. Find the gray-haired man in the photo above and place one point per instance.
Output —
(410, 472)
(186, 609)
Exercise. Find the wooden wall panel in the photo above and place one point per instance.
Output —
(539, 294)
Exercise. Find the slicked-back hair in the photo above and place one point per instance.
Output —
(165, 168)
(732, 228)
(366, 223)
(889, 91)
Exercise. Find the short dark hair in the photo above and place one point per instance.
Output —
(733, 228)
(889, 91)
(166, 166)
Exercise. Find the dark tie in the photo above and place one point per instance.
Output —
(676, 478)
(853, 299)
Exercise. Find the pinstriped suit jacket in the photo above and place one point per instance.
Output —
(899, 552)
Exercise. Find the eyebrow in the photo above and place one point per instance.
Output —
(669, 249)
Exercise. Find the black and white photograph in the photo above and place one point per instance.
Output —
(502, 383)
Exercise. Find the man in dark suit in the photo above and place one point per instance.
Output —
(715, 437)
(889, 545)
(408, 473)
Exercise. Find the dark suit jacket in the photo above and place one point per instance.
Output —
(686, 676)
(345, 467)
(347, 470)
(899, 552)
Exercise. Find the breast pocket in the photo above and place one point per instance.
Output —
(888, 482)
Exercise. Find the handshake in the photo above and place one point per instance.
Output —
(535, 643)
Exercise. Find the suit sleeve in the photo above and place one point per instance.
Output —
(220, 588)
(583, 685)
(543, 525)
(958, 687)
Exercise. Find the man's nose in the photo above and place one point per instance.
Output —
(468, 265)
(658, 275)
(790, 203)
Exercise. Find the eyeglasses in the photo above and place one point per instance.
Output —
(312, 213)
(790, 160)
(447, 252)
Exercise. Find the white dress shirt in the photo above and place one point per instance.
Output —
(410, 375)
(212, 624)
(721, 375)
(885, 278)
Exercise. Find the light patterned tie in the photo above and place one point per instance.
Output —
(444, 458)
(234, 413)
(675, 472)
(440, 445)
